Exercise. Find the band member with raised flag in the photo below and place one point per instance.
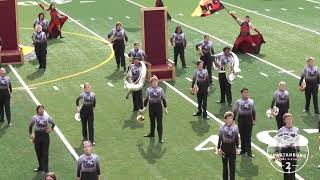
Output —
(223, 59)
(87, 112)
(41, 138)
(40, 46)
(43, 22)
(311, 75)
(287, 153)
(200, 83)
(227, 146)
(206, 51)
(179, 43)
(280, 99)
(118, 37)
(159, 3)
(136, 52)
(245, 111)
(156, 98)
(5, 96)
(88, 164)
(245, 42)
(56, 22)
(134, 72)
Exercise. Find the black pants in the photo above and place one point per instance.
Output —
(137, 100)
(87, 118)
(311, 89)
(202, 96)
(225, 88)
(41, 146)
(179, 50)
(245, 130)
(119, 54)
(229, 163)
(289, 164)
(5, 106)
(88, 176)
(207, 59)
(155, 114)
(279, 118)
(41, 52)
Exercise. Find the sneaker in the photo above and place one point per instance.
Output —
(242, 153)
(9, 124)
(148, 135)
(220, 102)
(37, 170)
(186, 67)
(93, 143)
(249, 154)
(305, 111)
(197, 114)
(206, 117)
(161, 141)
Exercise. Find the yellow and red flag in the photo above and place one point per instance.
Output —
(207, 7)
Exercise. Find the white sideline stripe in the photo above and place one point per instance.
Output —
(180, 14)
(311, 131)
(36, 101)
(313, 1)
(55, 88)
(109, 84)
(195, 104)
(214, 77)
(317, 7)
(301, 8)
(221, 122)
(275, 19)
(284, 9)
(241, 77)
(110, 18)
(128, 17)
(87, 1)
(92, 19)
(264, 74)
(188, 79)
(267, 9)
(291, 70)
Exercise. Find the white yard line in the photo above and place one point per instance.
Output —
(128, 17)
(36, 101)
(264, 74)
(81, 2)
(55, 88)
(92, 19)
(275, 19)
(301, 8)
(188, 79)
(267, 10)
(317, 7)
(284, 9)
(241, 77)
(214, 77)
(313, 1)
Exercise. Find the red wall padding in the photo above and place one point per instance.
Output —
(8, 28)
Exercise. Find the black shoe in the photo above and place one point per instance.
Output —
(161, 141)
(93, 143)
(39, 67)
(317, 112)
(44, 69)
(306, 111)
(242, 153)
(249, 154)
(148, 135)
(205, 117)
(1, 120)
(221, 102)
(197, 114)
(185, 66)
(229, 104)
(84, 139)
(61, 37)
(37, 170)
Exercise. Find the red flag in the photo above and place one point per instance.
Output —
(209, 7)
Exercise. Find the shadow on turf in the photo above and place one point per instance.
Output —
(310, 119)
(153, 152)
(131, 122)
(35, 75)
(247, 170)
(38, 176)
(201, 126)
(133, 29)
(3, 128)
(116, 76)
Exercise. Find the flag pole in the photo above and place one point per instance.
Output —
(230, 14)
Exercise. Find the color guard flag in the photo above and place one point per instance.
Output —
(207, 7)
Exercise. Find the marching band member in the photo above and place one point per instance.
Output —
(88, 164)
(5, 96)
(227, 146)
(179, 43)
(154, 96)
(280, 99)
(134, 72)
(118, 37)
(40, 46)
(312, 78)
(222, 60)
(87, 112)
(136, 53)
(289, 152)
(201, 79)
(41, 137)
(246, 112)
(246, 42)
(43, 22)
(56, 23)
(205, 48)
